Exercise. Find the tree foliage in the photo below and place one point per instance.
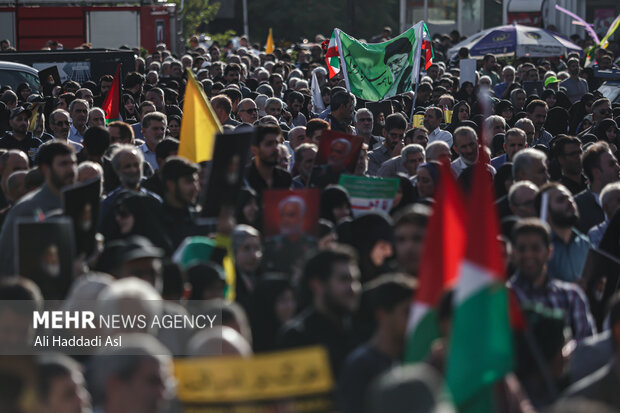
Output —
(196, 13)
(305, 18)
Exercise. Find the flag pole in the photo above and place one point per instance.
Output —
(415, 95)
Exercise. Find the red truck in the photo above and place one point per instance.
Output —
(30, 24)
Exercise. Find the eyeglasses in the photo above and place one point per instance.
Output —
(251, 110)
(63, 123)
(364, 120)
(604, 112)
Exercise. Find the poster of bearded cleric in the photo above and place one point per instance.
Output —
(380, 70)
(45, 253)
(338, 153)
(291, 227)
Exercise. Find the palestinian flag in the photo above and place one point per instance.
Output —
(443, 252)
(111, 104)
(480, 351)
(379, 70)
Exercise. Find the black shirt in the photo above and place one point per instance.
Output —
(574, 187)
(313, 328)
(361, 367)
(29, 145)
(281, 179)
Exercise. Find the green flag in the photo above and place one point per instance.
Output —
(378, 71)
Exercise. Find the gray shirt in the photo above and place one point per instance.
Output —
(575, 88)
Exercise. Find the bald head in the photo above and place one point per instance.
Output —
(15, 186)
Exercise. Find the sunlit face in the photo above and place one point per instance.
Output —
(396, 63)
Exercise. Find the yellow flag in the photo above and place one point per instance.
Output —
(269, 47)
(199, 124)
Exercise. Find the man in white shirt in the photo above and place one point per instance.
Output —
(432, 119)
(154, 129)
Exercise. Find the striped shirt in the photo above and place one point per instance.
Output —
(557, 295)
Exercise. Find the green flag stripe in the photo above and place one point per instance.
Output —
(421, 337)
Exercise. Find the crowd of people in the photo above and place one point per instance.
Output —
(552, 158)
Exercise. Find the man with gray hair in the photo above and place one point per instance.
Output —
(508, 76)
(438, 151)
(466, 145)
(127, 163)
(610, 201)
(247, 111)
(304, 158)
(528, 165)
(399, 164)
(60, 122)
(78, 109)
(526, 126)
(514, 141)
(154, 130)
(493, 125)
(96, 117)
(131, 378)
(521, 199)
(364, 123)
(273, 107)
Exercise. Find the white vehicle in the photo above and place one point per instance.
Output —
(14, 74)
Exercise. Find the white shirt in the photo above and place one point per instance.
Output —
(459, 165)
(440, 135)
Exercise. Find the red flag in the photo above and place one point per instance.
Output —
(111, 105)
(483, 247)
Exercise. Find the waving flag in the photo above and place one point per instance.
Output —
(443, 252)
(378, 71)
(480, 351)
(111, 104)
(199, 124)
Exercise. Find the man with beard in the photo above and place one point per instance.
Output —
(601, 168)
(536, 111)
(262, 173)
(466, 145)
(331, 284)
(363, 127)
(182, 185)
(295, 101)
(570, 247)
(532, 285)
(154, 130)
(568, 151)
(58, 164)
(284, 250)
(575, 86)
(19, 137)
(127, 162)
(394, 133)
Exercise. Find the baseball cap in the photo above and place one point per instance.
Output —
(19, 110)
(550, 80)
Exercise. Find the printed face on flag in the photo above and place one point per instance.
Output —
(291, 226)
(338, 150)
(381, 70)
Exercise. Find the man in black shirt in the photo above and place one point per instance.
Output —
(568, 151)
(331, 279)
(263, 173)
(19, 137)
(390, 299)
